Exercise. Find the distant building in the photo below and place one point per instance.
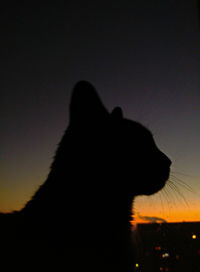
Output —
(168, 247)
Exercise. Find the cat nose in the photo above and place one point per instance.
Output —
(164, 159)
(168, 161)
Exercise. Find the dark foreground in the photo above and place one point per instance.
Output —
(171, 247)
(163, 247)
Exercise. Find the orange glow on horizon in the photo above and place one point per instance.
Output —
(175, 216)
(170, 208)
(174, 219)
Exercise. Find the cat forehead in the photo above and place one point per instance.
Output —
(87, 110)
(134, 125)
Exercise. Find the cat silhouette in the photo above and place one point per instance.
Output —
(79, 219)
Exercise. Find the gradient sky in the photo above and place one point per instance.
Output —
(143, 57)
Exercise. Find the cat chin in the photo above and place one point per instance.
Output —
(156, 187)
(161, 179)
(154, 190)
(156, 184)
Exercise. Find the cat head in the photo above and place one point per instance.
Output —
(115, 152)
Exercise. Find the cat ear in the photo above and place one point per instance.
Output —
(117, 113)
(86, 105)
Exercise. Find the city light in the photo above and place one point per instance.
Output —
(165, 255)
(194, 236)
(173, 254)
(158, 248)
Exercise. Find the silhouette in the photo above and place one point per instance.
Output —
(79, 219)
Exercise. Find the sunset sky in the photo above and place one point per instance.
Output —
(140, 56)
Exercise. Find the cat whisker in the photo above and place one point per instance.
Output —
(161, 200)
(172, 196)
(166, 196)
(182, 183)
(175, 189)
(182, 174)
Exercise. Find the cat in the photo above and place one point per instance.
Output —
(79, 219)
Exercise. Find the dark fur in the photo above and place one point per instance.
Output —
(79, 218)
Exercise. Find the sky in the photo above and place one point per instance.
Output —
(139, 55)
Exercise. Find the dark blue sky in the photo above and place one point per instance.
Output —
(142, 56)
